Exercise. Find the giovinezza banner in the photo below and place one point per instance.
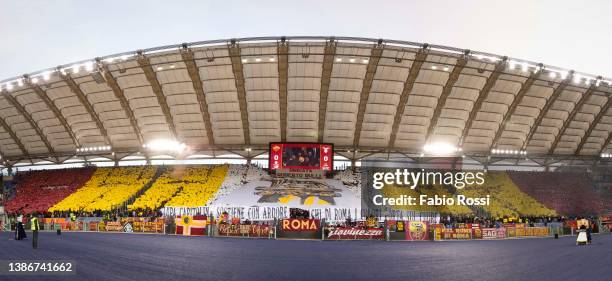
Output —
(354, 233)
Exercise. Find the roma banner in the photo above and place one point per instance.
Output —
(417, 230)
(191, 225)
(300, 225)
(351, 233)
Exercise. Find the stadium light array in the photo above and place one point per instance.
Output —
(511, 65)
(93, 149)
(245, 60)
(508, 152)
(606, 155)
(89, 66)
(353, 60)
(440, 148)
(165, 145)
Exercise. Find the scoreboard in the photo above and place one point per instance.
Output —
(301, 156)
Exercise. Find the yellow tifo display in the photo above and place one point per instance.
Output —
(107, 189)
(506, 198)
(168, 184)
(198, 188)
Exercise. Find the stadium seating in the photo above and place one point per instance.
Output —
(236, 177)
(39, 190)
(513, 194)
(507, 200)
(169, 183)
(350, 179)
(187, 186)
(108, 188)
(568, 193)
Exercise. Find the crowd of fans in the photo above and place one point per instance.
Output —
(568, 192)
(507, 199)
(39, 190)
(199, 186)
(108, 189)
(182, 186)
(515, 196)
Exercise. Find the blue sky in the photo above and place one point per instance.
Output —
(41, 34)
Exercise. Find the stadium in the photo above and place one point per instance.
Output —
(158, 164)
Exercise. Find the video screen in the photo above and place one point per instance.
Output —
(301, 156)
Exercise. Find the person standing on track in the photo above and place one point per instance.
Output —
(35, 228)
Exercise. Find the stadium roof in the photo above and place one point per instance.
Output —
(364, 95)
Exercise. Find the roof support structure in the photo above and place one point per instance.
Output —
(328, 64)
(13, 101)
(283, 78)
(237, 68)
(85, 102)
(556, 93)
(596, 121)
(606, 143)
(415, 68)
(482, 96)
(194, 74)
(446, 91)
(365, 89)
(125, 104)
(15, 138)
(583, 98)
(56, 112)
(517, 100)
(145, 64)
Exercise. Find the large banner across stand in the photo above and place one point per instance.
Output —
(265, 212)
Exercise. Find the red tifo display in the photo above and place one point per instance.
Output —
(308, 156)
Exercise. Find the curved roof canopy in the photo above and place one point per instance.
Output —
(360, 94)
